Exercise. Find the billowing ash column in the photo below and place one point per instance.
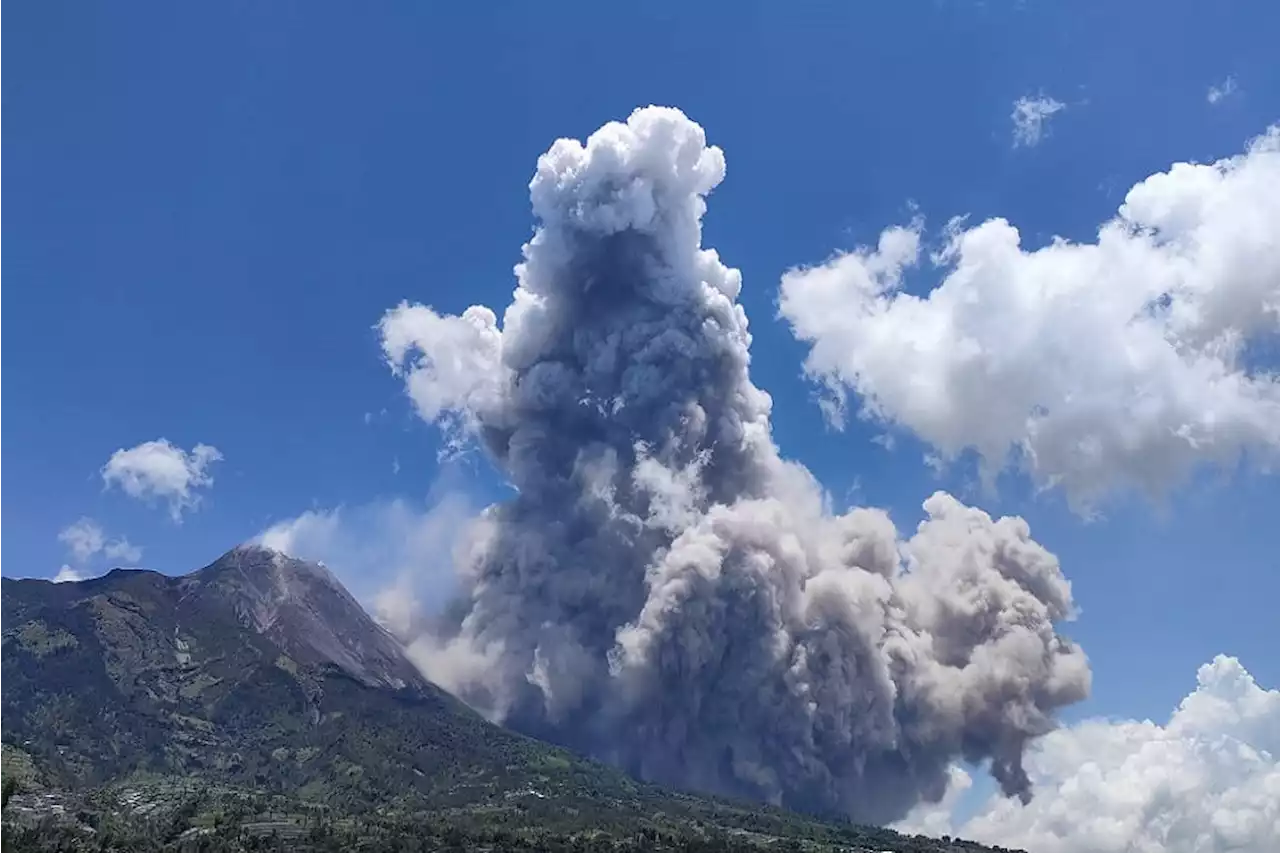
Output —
(664, 591)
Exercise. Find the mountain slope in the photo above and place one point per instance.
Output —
(305, 610)
(259, 669)
(262, 673)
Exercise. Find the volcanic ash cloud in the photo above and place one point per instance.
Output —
(664, 591)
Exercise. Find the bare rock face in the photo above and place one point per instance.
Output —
(302, 608)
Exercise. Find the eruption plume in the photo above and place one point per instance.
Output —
(666, 592)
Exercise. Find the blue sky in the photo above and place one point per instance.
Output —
(210, 208)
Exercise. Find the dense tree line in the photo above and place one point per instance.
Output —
(413, 839)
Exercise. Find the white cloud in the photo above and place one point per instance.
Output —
(450, 364)
(85, 539)
(938, 819)
(1225, 89)
(394, 556)
(122, 550)
(1208, 780)
(68, 575)
(159, 469)
(1030, 115)
(1120, 363)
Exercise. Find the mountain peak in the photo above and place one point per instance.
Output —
(303, 607)
(263, 561)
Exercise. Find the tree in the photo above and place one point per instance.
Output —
(7, 790)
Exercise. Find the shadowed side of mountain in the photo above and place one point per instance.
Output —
(258, 668)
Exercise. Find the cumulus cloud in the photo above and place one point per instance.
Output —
(395, 556)
(85, 539)
(1121, 363)
(449, 364)
(1029, 117)
(1207, 780)
(67, 574)
(160, 470)
(1221, 91)
(664, 590)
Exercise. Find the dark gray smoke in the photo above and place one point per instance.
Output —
(664, 591)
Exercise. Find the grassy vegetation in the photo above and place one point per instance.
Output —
(188, 815)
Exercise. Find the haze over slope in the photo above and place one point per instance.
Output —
(665, 591)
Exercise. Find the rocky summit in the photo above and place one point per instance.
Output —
(302, 608)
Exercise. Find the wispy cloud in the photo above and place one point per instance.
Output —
(85, 539)
(396, 556)
(1222, 91)
(1030, 115)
